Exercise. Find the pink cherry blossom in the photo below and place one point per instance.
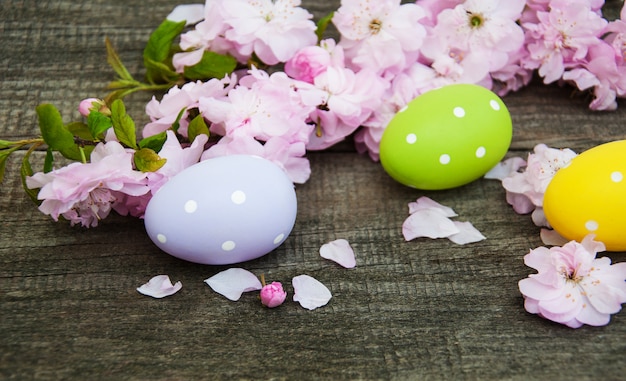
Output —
(310, 292)
(273, 295)
(380, 35)
(274, 30)
(562, 37)
(160, 286)
(572, 286)
(207, 35)
(525, 190)
(308, 63)
(190, 13)
(163, 113)
(233, 282)
(339, 251)
(484, 27)
(288, 156)
(85, 193)
(92, 104)
(349, 100)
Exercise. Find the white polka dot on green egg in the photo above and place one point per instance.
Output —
(446, 137)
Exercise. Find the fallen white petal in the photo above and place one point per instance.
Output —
(233, 282)
(428, 223)
(191, 13)
(339, 251)
(160, 286)
(428, 203)
(467, 233)
(310, 292)
(505, 168)
(552, 238)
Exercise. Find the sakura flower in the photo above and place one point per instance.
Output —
(308, 63)
(525, 190)
(562, 37)
(273, 295)
(381, 35)
(164, 113)
(339, 251)
(92, 104)
(233, 282)
(572, 286)
(207, 35)
(288, 156)
(274, 30)
(160, 286)
(310, 292)
(485, 27)
(505, 168)
(85, 193)
(467, 233)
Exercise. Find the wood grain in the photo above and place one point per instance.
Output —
(425, 309)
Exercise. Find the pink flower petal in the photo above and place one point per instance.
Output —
(233, 282)
(339, 251)
(310, 292)
(427, 203)
(191, 13)
(429, 223)
(467, 233)
(552, 238)
(505, 168)
(160, 286)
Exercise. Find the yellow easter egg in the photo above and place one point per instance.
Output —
(589, 196)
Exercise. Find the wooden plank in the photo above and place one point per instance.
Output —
(425, 309)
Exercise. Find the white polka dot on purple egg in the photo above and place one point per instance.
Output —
(191, 206)
(238, 197)
(279, 238)
(162, 238)
(228, 246)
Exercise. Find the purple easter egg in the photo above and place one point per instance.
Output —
(223, 210)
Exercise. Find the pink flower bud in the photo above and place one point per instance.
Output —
(273, 295)
(308, 63)
(91, 104)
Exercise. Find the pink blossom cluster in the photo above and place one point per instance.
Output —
(572, 286)
(388, 53)
(526, 181)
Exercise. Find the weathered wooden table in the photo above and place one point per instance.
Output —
(425, 309)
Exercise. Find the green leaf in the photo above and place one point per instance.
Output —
(98, 123)
(160, 42)
(6, 144)
(157, 51)
(197, 126)
(146, 160)
(54, 133)
(4, 155)
(48, 163)
(80, 129)
(123, 124)
(154, 142)
(212, 65)
(322, 25)
(176, 123)
(116, 63)
(158, 72)
(25, 171)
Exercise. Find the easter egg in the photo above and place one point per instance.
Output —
(223, 210)
(589, 196)
(446, 137)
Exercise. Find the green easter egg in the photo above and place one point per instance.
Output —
(446, 137)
